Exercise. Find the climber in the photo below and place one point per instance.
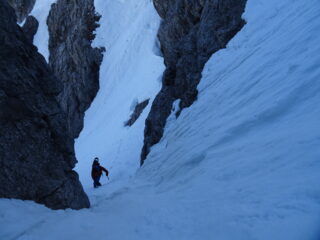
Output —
(96, 172)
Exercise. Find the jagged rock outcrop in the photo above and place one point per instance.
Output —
(72, 59)
(30, 27)
(36, 151)
(190, 32)
(22, 8)
(137, 112)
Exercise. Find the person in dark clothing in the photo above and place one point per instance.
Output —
(96, 172)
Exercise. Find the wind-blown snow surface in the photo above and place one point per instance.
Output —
(240, 163)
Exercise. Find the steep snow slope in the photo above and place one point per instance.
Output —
(129, 74)
(241, 163)
(253, 170)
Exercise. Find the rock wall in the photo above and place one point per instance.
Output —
(136, 113)
(190, 32)
(72, 59)
(36, 150)
(30, 27)
(22, 8)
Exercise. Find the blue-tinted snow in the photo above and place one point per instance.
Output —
(243, 162)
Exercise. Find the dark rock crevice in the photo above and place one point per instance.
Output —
(36, 151)
(190, 32)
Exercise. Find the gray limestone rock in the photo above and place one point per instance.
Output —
(190, 32)
(137, 112)
(36, 151)
(22, 8)
(74, 62)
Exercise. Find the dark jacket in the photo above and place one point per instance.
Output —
(97, 170)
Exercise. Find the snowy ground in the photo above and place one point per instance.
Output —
(242, 163)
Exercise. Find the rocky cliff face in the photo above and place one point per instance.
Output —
(30, 27)
(36, 151)
(72, 59)
(137, 112)
(190, 32)
(22, 8)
